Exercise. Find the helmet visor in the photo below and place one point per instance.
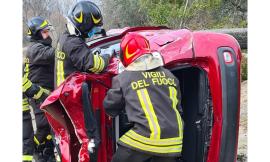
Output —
(49, 28)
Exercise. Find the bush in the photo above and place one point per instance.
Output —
(244, 67)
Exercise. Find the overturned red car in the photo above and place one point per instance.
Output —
(208, 68)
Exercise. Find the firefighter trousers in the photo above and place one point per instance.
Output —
(42, 125)
(28, 136)
(124, 154)
(41, 141)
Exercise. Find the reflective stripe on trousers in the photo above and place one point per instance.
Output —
(27, 157)
(25, 104)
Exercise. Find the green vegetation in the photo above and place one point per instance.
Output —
(244, 67)
(193, 14)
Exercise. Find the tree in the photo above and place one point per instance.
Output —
(193, 14)
(122, 13)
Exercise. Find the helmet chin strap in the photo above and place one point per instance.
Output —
(71, 29)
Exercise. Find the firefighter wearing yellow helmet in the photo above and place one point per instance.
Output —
(84, 20)
(38, 69)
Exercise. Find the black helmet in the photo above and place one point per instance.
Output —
(84, 16)
(35, 25)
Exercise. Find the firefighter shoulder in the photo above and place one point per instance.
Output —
(151, 101)
(40, 60)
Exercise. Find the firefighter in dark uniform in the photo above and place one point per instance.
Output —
(72, 54)
(39, 68)
(150, 95)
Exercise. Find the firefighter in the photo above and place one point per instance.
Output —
(84, 20)
(150, 95)
(39, 68)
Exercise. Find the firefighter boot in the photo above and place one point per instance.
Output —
(48, 152)
(45, 152)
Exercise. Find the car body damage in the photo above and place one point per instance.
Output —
(213, 60)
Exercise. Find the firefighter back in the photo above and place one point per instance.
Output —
(152, 101)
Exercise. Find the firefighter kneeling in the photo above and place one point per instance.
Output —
(150, 95)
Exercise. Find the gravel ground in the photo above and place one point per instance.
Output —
(242, 140)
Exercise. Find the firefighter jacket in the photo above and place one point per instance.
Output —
(39, 63)
(73, 54)
(152, 103)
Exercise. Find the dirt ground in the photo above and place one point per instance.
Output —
(242, 140)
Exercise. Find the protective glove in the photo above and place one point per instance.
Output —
(41, 95)
(116, 48)
(96, 51)
(91, 146)
(108, 51)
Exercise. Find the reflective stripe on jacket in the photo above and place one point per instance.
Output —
(152, 102)
(31, 90)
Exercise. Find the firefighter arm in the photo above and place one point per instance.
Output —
(114, 101)
(179, 105)
(34, 91)
(44, 55)
(105, 55)
(84, 59)
(100, 62)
